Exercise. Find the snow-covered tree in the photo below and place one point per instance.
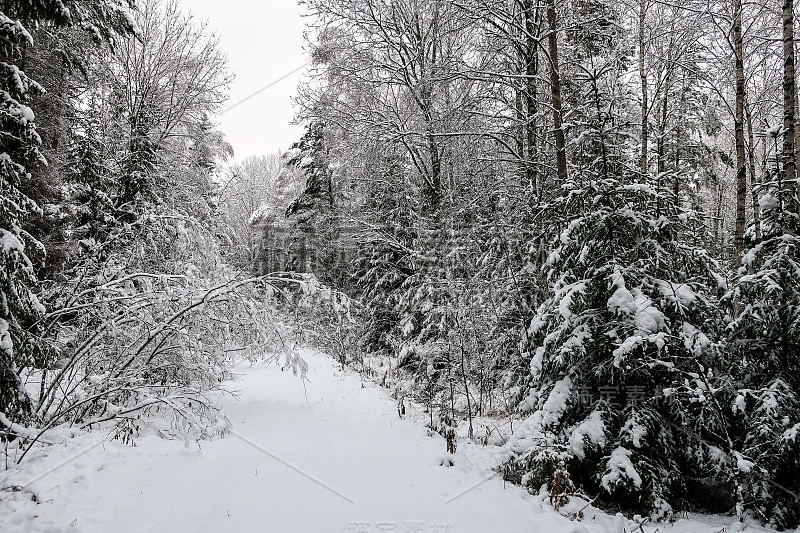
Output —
(19, 153)
(19, 142)
(316, 228)
(164, 82)
(764, 340)
(91, 185)
(252, 199)
(622, 351)
(386, 261)
(311, 157)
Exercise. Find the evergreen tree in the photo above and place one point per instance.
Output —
(19, 153)
(92, 184)
(139, 171)
(623, 349)
(314, 239)
(765, 361)
(384, 262)
(19, 143)
(207, 146)
(312, 158)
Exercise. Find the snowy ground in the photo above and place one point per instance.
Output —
(333, 458)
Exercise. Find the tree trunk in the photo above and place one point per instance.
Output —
(436, 170)
(741, 169)
(531, 69)
(662, 127)
(796, 138)
(751, 156)
(718, 222)
(676, 183)
(555, 90)
(520, 137)
(643, 77)
(661, 158)
(676, 178)
(466, 389)
(789, 160)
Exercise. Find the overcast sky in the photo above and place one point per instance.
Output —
(263, 41)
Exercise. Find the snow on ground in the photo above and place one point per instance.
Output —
(333, 457)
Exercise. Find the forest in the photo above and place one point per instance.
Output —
(579, 217)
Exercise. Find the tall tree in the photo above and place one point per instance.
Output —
(751, 159)
(531, 61)
(643, 77)
(764, 342)
(19, 153)
(19, 144)
(741, 168)
(555, 91)
(166, 81)
(789, 94)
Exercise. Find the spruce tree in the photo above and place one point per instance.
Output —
(19, 152)
(139, 176)
(384, 262)
(316, 230)
(622, 350)
(764, 343)
(92, 184)
(19, 143)
(312, 158)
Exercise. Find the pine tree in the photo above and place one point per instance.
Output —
(764, 341)
(19, 142)
(384, 261)
(312, 159)
(207, 146)
(19, 152)
(139, 171)
(92, 184)
(316, 229)
(623, 349)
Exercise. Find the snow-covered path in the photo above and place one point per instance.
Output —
(333, 458)
(381, 473)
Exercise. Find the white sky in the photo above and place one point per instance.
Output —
(263, 40)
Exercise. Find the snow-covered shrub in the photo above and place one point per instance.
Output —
(150, 323)
(457, 324)
(326, 318)
(622, 352)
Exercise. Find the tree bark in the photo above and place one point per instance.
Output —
(789, 159)
(531, 69)
(643, 76)
(662, 127)
(751, 156)
(741, 169)
(796, 138)
(520, 137)
(555, 91)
